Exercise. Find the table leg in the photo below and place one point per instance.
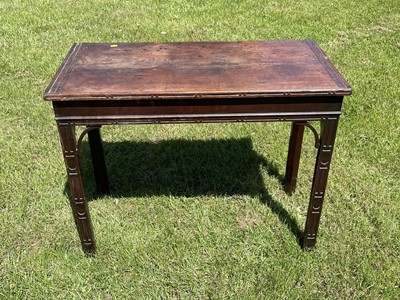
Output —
(99, 164)
(293, 159)
(78, 200)
(324, 156)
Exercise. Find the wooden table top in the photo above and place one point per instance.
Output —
(97, 71)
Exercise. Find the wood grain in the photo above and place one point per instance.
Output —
(195, 69)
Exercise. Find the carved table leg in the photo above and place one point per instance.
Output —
(78, 200)
(324, 156)
(293, 160)
(99, 164)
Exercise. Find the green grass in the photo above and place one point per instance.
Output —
(174, 227)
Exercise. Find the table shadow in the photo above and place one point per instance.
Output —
(187, 168)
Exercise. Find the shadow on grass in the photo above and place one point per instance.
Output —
(187, 168)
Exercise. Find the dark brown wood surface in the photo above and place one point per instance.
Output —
(186, 70)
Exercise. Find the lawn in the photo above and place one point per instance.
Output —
(199, 212)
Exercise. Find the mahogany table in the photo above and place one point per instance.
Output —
(139, 83)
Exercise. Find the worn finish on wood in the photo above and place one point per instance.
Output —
(213, 69)
(125, 83)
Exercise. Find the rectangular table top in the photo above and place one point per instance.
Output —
(119, 71)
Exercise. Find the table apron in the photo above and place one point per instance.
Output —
(175, 119)
(196, 111)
